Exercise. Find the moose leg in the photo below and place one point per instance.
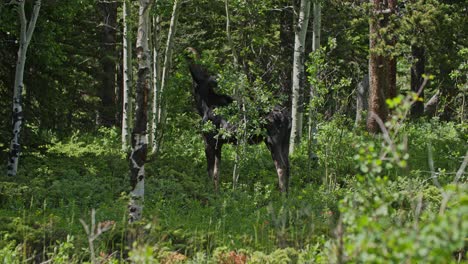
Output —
(281, 161)
(210, 158)
(213, 159)
(217, 163)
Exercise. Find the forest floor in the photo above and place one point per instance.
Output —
(342, 206)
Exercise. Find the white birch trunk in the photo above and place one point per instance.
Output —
(156, 94)
(241, 145)
(317, 26)
(298, 73)
(139, 134)
(151, 84)
(228, 33)
(127, 85)
(168, 59)
(26, 33)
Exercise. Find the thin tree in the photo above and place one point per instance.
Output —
(26, 32)
(127, 83)
(156, 79)
(298, 76)
(391, 58)
(139, 134)
(241, 107)
(167, 66)
(316, 34)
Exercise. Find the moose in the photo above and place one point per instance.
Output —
(277, 126)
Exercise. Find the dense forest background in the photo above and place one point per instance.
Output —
(357, 195)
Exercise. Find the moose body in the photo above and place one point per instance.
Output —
(278, 128)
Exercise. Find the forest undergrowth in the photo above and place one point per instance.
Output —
(392, 198)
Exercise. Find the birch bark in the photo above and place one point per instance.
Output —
(26, 32)
(316, 34)
(156, 91)
(139, 134)
(298, 73)
(168, 59)
(127, 83)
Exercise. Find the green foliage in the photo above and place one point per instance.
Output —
(369, 198)
(386, 223)
(187, 221)
(328, 89)
(10, 252)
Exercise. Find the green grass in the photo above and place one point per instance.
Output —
(61, 182)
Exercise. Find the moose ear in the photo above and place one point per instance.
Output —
(199, 75)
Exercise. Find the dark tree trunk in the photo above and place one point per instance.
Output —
(382, 64)
(108, 108)
(448, 91)
(286, 47)
(391, 71)
(378, 85)
(377, 72)
(417, 71)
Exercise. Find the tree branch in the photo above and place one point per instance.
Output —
(23, 22)
(32, 23)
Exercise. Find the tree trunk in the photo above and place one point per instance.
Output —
(26, 33)
(298, 77)
(417, 71)
(430, 108)
(107, 92)
(127, 84)
(228, 34)
(156, 91)
(167, 62)
(240, 147)
(286, 51)
(362, 93)
(317, 26)
(382, 66)
(316, 34)
(391, 58)
(448, 91)
(139, 134)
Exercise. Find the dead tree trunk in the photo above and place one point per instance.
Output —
(26, 32)
(298, 77)
(139, 134)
